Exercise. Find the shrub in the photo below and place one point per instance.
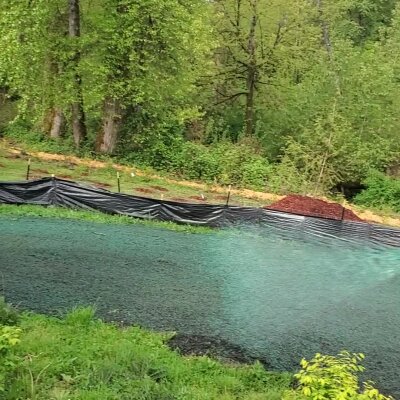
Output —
(327, 377)
(382, 191)
(198, 162)
(8, 315)
(224, 163)
(21, 132)
(9, 337)
(285, 178)
(256, 174)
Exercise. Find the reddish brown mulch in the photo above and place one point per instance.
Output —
(143, 190)
(304, 205)
(100, 184)
(41, 171)
(159, 188)
(179, 200)
(198, 198)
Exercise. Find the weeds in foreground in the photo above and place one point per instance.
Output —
(81, 357)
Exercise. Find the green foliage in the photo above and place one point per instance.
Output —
(222, 163)
(381, 192)
(93, 216)
(21, 132)
(328, 377)
(326, 154)
(7, 113)
(9, 337)
(80, 357)
(326, 85)
(8, 314)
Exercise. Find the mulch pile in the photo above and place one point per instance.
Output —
(304, 205)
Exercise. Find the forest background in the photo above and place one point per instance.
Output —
(282, 96)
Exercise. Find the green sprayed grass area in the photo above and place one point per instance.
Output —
(94, 216)
(81, 357)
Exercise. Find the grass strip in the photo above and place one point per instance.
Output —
(95, 216)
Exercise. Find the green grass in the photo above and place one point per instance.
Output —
(94, 216)
(81, 357)
(13, 167)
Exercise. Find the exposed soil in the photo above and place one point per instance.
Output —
(41, 171)
(159, 188)
(198, 198)
(179, 199)
(308, 206)
(69, 164)
(101, 184)
(197, 345)
(143, 190)
(65, 177)
(220, 197)
(15, 156)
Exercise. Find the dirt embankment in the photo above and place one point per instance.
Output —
(351, 212)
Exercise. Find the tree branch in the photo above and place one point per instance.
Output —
(228, 98)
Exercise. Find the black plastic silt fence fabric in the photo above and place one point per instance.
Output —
(60, 192)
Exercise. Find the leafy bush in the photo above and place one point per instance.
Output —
(21, 132)
(382, 191)
(9, 337)
(8, 315)
(286, 179)
(224, 163)
(197, 162)
(329, 152)
(256, 174)
(79, 357)
(327, 377)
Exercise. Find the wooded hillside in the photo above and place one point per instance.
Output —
(289, 96)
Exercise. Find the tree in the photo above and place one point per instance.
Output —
(151, 53)
(254, 37)
(31, 59)
(77, 110)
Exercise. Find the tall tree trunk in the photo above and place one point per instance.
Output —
(78, 114)
(53, 123)
(57, 125)
(108, 136)
(326, 37)
(250, 115)
(251, 74)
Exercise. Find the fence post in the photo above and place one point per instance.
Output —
(343, 211)
(119, 183)
(229, 195)
(28, 169)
